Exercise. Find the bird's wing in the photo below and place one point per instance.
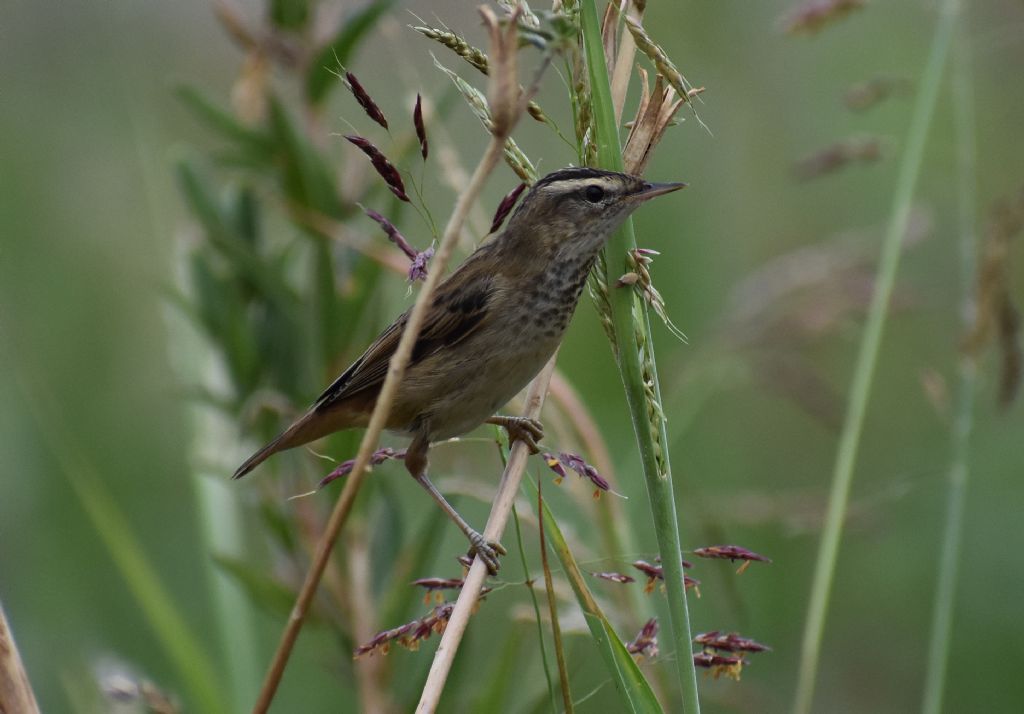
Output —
(459, 308)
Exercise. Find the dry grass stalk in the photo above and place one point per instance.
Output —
(624, 57)
(368, 445)
(16, 694)
(653, 116)
(474, 580)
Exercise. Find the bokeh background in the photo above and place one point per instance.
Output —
(98, 363)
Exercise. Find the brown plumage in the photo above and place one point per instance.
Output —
(492, 325)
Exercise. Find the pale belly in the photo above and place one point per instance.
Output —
(453, 394)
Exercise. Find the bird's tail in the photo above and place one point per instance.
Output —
(301, 432)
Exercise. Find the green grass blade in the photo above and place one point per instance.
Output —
(633, 334)
(196, 670)
(963, 419)
(630, 683)
(867, 358)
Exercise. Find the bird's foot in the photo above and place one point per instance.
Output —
(487, 551)
(524, 429)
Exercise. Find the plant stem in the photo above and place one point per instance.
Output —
(867, 357)
(963, 420)
(396, 371)
(556, 630)
(15, 690)
(536, 610)
(474, 580)
(639, 372)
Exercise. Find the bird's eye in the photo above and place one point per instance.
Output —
(593, 193)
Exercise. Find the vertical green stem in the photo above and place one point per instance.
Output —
(963, 420)
(556, 628)
(635, 354)
(867, 358)
(536, 605)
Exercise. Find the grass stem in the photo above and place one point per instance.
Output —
(639, 372)
(963, 418)
(867, 357)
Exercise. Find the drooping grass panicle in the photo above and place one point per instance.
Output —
(559, 462)
(645, 644)
(365, 100)
(476, 58)
(666, 68)
(813, 15)
(421, 129)
(864, 95)
(409, 635)
(729, 642)
(862, 149)
(418, 258)
(730, 666)
(384, 167)
(514, 156)
(613, 577)
(345, 467)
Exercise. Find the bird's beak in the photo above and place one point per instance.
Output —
(650, 190)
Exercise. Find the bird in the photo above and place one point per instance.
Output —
(491, 326)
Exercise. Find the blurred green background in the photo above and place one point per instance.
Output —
(95, 363)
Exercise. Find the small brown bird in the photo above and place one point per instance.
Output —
(491, 327)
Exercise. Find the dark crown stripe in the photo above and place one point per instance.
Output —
(573, 173)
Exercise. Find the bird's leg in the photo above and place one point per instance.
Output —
(416, 463)
(524, 429)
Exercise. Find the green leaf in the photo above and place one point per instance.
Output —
(305, 176)
(629, 681)
(222, 311)
(244, 215)
(289, 14)
(338, 51)
(263, 590)
(250, 143)
(269, 281)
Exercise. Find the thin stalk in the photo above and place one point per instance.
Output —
(867, 357)
(15, 690)
(963, 419)
(556, 630)
(536, 610)
(639, 372)
(396, 371)
(474, 580)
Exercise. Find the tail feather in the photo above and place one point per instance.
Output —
(301, 432)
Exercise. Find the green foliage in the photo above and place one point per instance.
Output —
(629, 681)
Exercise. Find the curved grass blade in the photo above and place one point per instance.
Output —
(630, 683)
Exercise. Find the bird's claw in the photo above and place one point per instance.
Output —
(487, 551)
(524, 429)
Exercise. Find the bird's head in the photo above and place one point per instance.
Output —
(576, 209)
